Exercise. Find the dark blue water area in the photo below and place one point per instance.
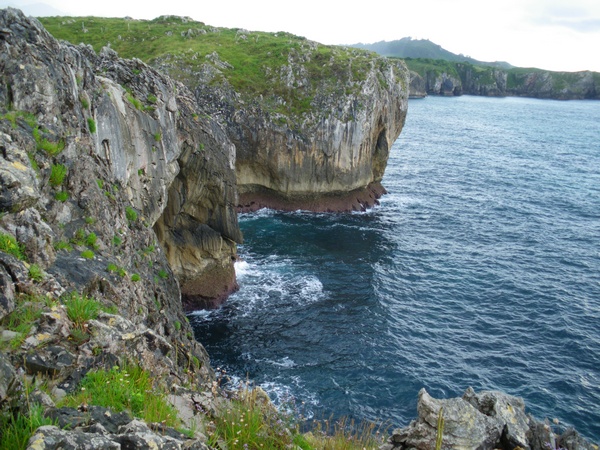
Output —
(480, 267)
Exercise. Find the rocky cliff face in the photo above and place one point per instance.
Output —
(92, 154)
(324, 147)
(462, 78)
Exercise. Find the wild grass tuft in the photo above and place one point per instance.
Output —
(9, 244)
(131, 214)
(36, 273)
(91, 125)
(17, 429)
(58, 173)
(61, 196)
(87, 254)
(249, 421)
(81, 308)
(127, 388)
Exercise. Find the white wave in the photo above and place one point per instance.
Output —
(242, 268)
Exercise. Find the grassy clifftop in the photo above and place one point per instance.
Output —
(252, 63)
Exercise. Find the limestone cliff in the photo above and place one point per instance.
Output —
(92, 154)
(453, 78)
(329, 155)
(312, 124)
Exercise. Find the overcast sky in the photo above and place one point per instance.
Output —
(548, 34)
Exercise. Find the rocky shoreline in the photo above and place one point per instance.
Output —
(118, 210)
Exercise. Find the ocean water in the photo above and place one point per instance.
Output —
(480, 267)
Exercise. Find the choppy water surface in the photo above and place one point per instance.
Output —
(481, 267)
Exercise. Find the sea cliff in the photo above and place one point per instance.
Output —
(436, 77)
(119, 195)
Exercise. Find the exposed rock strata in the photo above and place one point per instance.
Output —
(466, 79)
(145, 130)
(329, 157)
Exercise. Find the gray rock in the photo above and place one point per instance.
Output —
(10, 383)
(7, 293)
(18, 181)
(506, 409)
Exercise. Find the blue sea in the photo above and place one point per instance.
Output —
(480, 267)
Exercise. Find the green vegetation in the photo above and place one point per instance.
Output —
(84, 103)
(131, 214)
(91, 125)
(36, 273)
(62, 196)
(117, 240)
(17, 429)
(81, 308)
(51, 148)
(112, 267)
(163, 274)
(126, 388)
(87, 254)
(28, 309)
(58, 172)
(135, 277)
(157, 136)
(9, 244)
(63, 245)
(91, 241)
(253, 63)
(440, 430)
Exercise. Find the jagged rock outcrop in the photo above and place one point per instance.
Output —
(121, 132)
(319, 141)
(479, 421)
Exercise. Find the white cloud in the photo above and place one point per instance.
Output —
(550, 34)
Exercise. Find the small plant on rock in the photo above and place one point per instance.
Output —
(9, 244)
(131, 214)
(58, 172)
(87, 254)
(36, 273)
(81, 308)
(91, 125)
(61, 196)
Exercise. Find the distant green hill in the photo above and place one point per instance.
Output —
(423, 48)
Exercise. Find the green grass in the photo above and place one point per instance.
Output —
(36, 273)
(58, 172)
(28, 310)
(17, 429)
(91, 125)
(163, 274)
(131, 214)
(63, 245)
(91, 240)
(250, 421)
(87, 254)
(135, 277)
(117, 240)
(61, 196)
(51, 148)
(254, 62)
(79, 237)
(127, 388)
(81, 308)
(9, 244)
